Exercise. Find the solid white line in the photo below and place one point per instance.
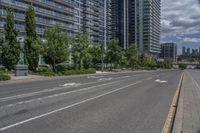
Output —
(47, 90)
(67, 107)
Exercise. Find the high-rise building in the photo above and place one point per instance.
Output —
(74, 15)
(199, 51)
(119, 19)
(183, 51)
(188, 51)
(137, 21)
(169, 51)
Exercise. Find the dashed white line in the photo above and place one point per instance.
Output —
(56, 95)
(66, 107)
(47, 90)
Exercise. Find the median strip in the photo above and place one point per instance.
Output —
(168, 125)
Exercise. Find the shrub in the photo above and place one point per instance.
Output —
(82, 71)
(63, 67)
(3, 69)
(48, 73)
(43, 69)
(4, 77)
(182, 66)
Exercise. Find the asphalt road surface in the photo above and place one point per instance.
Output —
(133, 102)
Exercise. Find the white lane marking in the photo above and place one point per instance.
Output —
(95, 77)
(104, 79)
(46, 90)
(71, 84)
(66, 107)
(157, 80)
(161, 81)
(56, 95)
(129, 76)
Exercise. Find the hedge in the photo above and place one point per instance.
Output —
(66, 72)
(48, 73)
(4, 77)
(82, 71)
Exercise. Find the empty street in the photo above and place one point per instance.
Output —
(100, 103)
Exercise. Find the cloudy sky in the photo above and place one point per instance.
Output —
(181, 22)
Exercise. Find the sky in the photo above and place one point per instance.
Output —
(181, 23)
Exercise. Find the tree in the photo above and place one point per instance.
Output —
(1, 44)
(167, 64)
(11, 48)
(182, 66)
(56, 46)
(32, 42)
(114, 53)
(132, 56)
(149, 61)
(81, 56)
(96, 55)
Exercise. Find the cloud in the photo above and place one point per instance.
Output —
(180, 17)
(191, 40)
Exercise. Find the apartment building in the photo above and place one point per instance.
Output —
(137, 21)
(74, 16)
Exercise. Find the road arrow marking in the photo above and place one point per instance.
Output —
(71, 84)
(161, 81)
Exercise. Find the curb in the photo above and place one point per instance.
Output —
(168, 125)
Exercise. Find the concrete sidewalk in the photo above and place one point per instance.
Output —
(187, 118)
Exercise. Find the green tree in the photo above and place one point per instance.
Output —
(167, 64)
(1, 45)
(32, 42)
(11, 48)
(149, 61)
(56, 46)
(182, 66)
(114, 53)
(81, 55)
(132, 56)
(96, 55)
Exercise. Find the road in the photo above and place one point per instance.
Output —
(132, 102)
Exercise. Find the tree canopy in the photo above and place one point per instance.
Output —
(32, 42)
(10, 48)
(56, 46)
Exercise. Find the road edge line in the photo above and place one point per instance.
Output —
(168, 125)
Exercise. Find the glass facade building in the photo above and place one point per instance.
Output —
(119, 26)
(74, 15)
(137, 21)
(169, 51)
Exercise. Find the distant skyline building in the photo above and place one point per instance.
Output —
(188, 51)
(183, 50)
(191, 52)
(90, 16)
(199, 51)
(169, 51)
(137, 21)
